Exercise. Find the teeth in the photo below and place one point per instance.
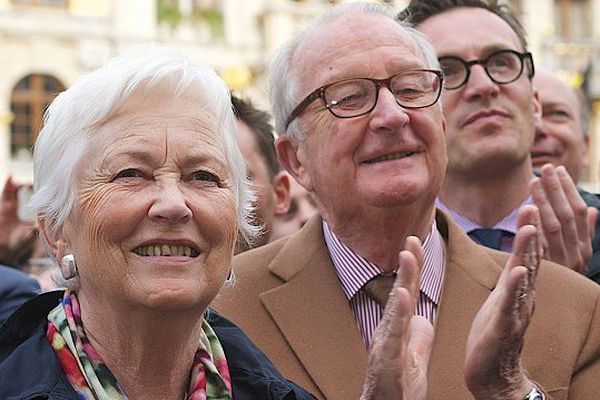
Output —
(165, 250)
(388, 157)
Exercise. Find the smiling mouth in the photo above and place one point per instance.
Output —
(389, 157)
(165, 250)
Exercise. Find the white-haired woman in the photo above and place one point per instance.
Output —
(140, 193)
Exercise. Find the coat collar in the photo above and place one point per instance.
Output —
(314, 315)
(310, 284)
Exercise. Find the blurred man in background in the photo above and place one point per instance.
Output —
(562, 138)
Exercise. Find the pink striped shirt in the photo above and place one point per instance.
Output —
(508, 223)
(354, 271)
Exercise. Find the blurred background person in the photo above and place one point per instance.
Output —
(17, 236)
(275, 203)
(562, 138)
(20, 246)
(302, 206)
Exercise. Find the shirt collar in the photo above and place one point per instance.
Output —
(354, 271)
(508, 223)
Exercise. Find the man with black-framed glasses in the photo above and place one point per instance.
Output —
(492, 109)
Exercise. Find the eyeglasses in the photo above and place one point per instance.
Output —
(351, 98)
(504, 66)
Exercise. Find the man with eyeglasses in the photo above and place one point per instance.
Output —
(492, 109)
(356, 103)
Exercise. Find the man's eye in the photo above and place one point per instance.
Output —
(557, 114)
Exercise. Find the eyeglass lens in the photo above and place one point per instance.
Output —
(501, 67)
(355, 97)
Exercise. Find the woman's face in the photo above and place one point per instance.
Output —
(154, 222)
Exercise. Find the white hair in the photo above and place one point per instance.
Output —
(77, 113)
(283, 84)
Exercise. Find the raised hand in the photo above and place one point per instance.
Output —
(16, 236)
(401, 344)
(493, 367)
(567, 223)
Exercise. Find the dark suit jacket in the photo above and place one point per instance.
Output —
(593, 200)
(288, 299)
(15, 289)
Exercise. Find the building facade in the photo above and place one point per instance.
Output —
(46, 44)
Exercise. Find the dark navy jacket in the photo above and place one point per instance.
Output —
(593, 200)
(15, 289)
(30, 370)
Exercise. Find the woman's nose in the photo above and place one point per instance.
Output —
(170, 206)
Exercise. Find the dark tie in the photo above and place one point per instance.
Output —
(491, 238)
(379, 287)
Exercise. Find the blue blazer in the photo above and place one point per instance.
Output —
(15, 289)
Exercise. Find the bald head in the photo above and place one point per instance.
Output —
(561, 138)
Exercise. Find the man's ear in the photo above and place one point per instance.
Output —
(537, 108)
(56, 241)
(281, 189)
(586, 151)
(291, 157)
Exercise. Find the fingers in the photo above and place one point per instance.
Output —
(592, 217)
(410, 261)
(564, 218)
(420, 341)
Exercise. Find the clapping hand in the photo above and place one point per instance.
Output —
(567, 223)
(493, 368)
(401, 345)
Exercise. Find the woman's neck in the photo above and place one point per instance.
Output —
(148, 352)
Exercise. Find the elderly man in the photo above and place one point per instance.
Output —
(356, 102)
(491, 109)
(562, 138)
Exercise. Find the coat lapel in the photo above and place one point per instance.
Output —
(314, 315)
(470, 276)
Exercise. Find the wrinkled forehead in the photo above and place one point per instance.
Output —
(355, 45)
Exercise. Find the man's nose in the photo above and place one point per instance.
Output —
(479, 83)
(388, 114)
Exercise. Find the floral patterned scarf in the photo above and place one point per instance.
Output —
(92, 379)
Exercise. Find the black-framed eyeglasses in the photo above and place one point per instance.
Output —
(504, 66)
(354, 97)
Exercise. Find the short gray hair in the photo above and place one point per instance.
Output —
(284, 85)
(74, 116)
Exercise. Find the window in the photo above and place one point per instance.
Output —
(573, 19)
(41, 3)
(28, 101)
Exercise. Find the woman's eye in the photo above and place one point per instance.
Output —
(206, 176)
(128, 173)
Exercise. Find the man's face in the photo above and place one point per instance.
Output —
(258, 173)
(490, 125)
(558, 139)
(390, 157)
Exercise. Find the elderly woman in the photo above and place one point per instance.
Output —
(140, 192)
